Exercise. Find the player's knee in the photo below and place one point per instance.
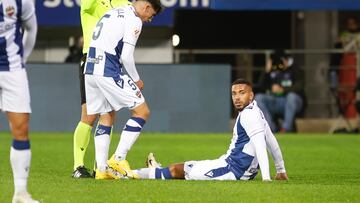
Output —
(146, 113)
(20, 130)
(177, 171)
(106, 119)
(142, 112)
(89, 119)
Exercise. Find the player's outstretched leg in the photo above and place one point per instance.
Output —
(154, 170)
(174, 171)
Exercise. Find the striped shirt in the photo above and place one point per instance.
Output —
(116, 27)
(242, 155)
(12, 14)
(91, 11)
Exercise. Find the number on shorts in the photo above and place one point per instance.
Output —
(132, 84)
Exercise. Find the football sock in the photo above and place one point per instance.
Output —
(111, 133)
(154, 173)
(20, 157)
(102, 142)
(128, 137)
(81, 141)
(161, 173)
(144, 173)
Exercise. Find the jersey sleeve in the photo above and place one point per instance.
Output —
(275, 151)
(251, 120)
(258, 141)
(28, 10)
(132, 30)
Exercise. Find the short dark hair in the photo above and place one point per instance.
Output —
(156, 4)
(242, 81)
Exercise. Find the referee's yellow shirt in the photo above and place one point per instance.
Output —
(91, 11)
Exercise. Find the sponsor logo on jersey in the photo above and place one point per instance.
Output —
(10, 10)
(95, 60)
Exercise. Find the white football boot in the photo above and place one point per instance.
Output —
(151, 161)
(23, 197)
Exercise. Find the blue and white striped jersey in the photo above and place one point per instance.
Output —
(12, 14)
(116, 27)
(244, 152)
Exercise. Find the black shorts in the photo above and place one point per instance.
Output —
(82, 81)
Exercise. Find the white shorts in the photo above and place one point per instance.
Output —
(217, 169)
(14, 91)
(105, 94)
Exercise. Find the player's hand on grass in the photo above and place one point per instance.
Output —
(281, 176)
(140, 84)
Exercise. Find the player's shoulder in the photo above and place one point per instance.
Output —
(251, 112)
(130, 14)
(27, 9)
(250, 108)
(25, 4)
(129, 11)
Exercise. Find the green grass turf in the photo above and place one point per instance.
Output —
(321, 168)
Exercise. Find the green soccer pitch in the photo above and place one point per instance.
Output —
(321, 168)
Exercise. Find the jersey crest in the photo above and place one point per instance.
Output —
(10, 10)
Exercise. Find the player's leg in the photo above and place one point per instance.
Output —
(20, 153)
(155, 171)
(102, 143)
(82, 131)
(124, 93)
(97, 104)
(191, 170)
(128, 137)
(132, 130)
(174, 171)
(217, 169)
(15, 98)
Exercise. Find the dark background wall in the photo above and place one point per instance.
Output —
(182, 98)
(233, 29)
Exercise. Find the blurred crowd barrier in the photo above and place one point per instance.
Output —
(331, 78)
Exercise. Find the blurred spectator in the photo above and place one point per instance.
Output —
(343, 73)
(75, 51)
(283, 97)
